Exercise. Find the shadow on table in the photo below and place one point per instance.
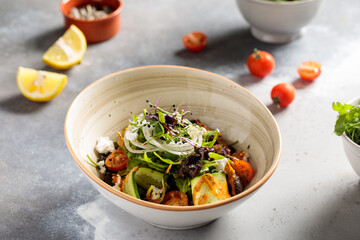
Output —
(100, 213)
(246, 79)
(274, 109)
(300, 83)
(45, 39)
(19, 104)
(42, 42)
(340, 219)
(231, 47)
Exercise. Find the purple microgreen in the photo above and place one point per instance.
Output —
(189, 142)
(183, 115)
(157, 103)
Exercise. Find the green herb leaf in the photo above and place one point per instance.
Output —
(348, 121)
(341, 108)
(92, 163)
(135, 118)
(215, 135)
(161, 117)
(168, 161)
(215, 156)
(340, 125)
(154, 165)
(183, 184)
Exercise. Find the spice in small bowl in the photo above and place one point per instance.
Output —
(90, 12)
(99, 20)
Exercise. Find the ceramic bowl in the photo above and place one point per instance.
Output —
(105, 106)
(278, 22)
(352, 150)
(98, 29)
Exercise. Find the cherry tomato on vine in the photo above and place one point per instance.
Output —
(309, 70)
(117, 160)
(283, 94)
(195, 41)
(260, 63)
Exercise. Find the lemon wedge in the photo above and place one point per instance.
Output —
(67, 51)
(40, 86)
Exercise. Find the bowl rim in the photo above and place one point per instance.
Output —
(113, 14)
(282, 3)
(156, 206)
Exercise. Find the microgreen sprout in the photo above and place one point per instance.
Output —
(92, 163)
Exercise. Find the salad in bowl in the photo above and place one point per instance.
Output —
(163, 157)
(162, 141)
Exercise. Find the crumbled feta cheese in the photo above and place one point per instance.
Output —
(221, 164)
(156, 193)
(117, 184)
(104, 145)
(102, 167)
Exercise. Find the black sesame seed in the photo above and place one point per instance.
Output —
(147, 100)
(173, 105)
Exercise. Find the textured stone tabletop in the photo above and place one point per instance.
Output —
(313, 194)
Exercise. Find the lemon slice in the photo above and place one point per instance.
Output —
(67, 51)
(40, 86)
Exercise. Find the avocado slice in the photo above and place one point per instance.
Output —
(209, 188)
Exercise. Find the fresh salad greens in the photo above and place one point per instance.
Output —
(165, 158)
(348, 121)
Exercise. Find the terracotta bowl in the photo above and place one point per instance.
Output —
(352, 150)
(105, 106)
(98, 29)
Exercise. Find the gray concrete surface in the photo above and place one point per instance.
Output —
(314, 193)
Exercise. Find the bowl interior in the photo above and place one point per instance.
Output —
(355, 101)
(66, 5)
(106, 105)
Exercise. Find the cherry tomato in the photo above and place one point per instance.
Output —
(176, 198)
(260, 63)
(283, 94)
(195, 41)
(244, 170)
(117, 160)
(309, 70)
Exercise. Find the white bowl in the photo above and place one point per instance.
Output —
(104, 107)
(352, 150)
(278, 22)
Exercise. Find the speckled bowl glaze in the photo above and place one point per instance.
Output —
(278, 22)
(105, 106)
(352, 150)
